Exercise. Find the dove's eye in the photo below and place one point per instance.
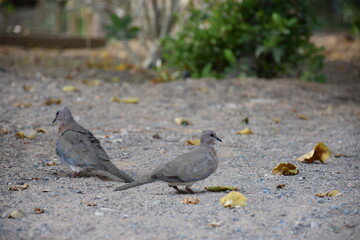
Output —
(57, 113)
(211, 135)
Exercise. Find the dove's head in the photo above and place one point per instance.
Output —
(63, 116)
(208, 137)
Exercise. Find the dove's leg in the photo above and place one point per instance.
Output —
(189, 190)
(177, 189)
(75, 174)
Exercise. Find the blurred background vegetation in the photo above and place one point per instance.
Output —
(198, 38)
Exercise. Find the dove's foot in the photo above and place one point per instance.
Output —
(189, 190)
(75, 175)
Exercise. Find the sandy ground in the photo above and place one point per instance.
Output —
(155, 211)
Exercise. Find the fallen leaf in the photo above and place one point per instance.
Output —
(89, 204)
(18, 187)
(91, 82)
(121, 67)
(245, 131)
(321, 152)
(40, 130)
(221, 188)
(27, 88)
(5, 131)
(130, 100)
(280, 186)
(190, 200)
(245, 121)
(215, 224)
(341, 155)
(332, 193)
(39, 210)
(302, 117)
(277, 120)
(69, 77)
(285, 169)
(52, 101)
(16, 214)
(23, 105)
(195, 142)
(156, 136)
(233, 199)
(70, 88)
(182, 121)
(29, 135)
(125, 100)
(115, 79)
(51, 163)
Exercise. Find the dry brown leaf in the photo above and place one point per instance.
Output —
(52, 101)
(190, 200)
(285, 169)
(5, 131)
(303, 117)
(89, 204)
(332, 193)
(51, 164)
(27, 88)
(341, 155)
(39, 210)
(40, 130)
(91, 82)
(233, 199)
(69, 77)
(215, 224)
(19, 187)
(22, 104)
(195, 142)
(221, 188)
(69, 88)
(280, 186)
(16, 214)
(182, 121)
(245, 131)
(320, 152)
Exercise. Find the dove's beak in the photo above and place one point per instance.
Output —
(54, 120)
(218, 139)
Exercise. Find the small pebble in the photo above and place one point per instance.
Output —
(78, 191)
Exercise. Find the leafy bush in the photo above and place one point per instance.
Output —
(260, 38)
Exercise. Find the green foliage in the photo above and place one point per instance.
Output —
(251, 38)
(351, 14)
(120, 27)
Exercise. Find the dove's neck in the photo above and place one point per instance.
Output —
(65, 126)
(210, 148)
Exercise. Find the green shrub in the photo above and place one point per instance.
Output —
(260, 38)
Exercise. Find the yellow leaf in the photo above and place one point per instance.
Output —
(52, 101)
(182, 121)
(19, 187)
(303, 117)
(321, 153)
(221, 188)
(115, 99)
(190, 200)
(245, 131)
(121, 67)
(30, 135)
(332, 193)
(130, 100)
(23, 105)
(277, 120)
(91, 82)
(16, 214)
(195, 142)
(51, 164)
(69, 88)
(20, 134)
(27, 88)
(233, 199)
(285, 169)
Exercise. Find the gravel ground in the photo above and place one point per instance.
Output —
(88, 208)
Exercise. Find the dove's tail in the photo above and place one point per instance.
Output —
(111, 168)
(135, 183)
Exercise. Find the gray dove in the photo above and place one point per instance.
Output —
(187, 168)
(78, 148)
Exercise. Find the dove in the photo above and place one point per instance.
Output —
(187, 168)
(77, 147)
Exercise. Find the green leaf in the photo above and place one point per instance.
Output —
(229, 56)
(259, 50)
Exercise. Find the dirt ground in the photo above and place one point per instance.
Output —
(138, 137)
